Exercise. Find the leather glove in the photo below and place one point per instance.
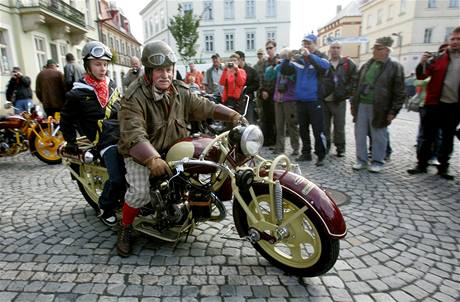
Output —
(238, 119)
(158, 167)
(71, 148)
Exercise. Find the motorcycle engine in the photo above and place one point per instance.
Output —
(7, 140)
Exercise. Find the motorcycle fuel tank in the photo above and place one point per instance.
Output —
(12, 121)
(191, 147)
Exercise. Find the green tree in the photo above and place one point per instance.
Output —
(184, 29)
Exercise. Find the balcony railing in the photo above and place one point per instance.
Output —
(58, 7)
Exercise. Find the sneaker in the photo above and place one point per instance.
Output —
(108, 218)
(387, 157)
(375, 168)
(417, 170)
(304, 157)
(446, 176)
(340, 154)
(359, 166)
(434, 162)
(124, 240)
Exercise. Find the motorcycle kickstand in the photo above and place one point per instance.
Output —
(230, 229)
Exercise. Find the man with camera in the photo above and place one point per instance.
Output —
(18, 91)
(134, 73)
(376, 101)
(442, 105)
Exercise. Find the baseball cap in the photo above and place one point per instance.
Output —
(51, 62)
(215, 56)
(310, 38)
(260, 50)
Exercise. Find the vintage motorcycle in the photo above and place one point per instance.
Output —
(291, 222)
(41, 136)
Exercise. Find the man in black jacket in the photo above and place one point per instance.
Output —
(338, 85)
(252, 85)
(19, 92)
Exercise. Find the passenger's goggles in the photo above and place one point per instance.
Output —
(159, 59)
(98, 52)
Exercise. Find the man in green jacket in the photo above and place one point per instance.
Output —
(154, 114)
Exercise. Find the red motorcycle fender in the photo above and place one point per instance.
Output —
(314, 197)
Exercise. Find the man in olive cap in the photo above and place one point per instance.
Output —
(372, 117)
(50, 88)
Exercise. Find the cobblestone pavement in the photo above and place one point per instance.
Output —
(403, 242)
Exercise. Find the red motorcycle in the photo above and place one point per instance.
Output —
(30, 131)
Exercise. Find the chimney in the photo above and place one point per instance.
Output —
(339, 8)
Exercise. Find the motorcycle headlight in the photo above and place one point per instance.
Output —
(250, 139)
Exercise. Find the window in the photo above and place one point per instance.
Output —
(62, 52)
(146, 29)
(379, 16)
(89, 17)
(369, 21)
(123, 48)
(402, 6)
(209, 42)
(250, 41)
(111, 42)
(187, 6)
(448, 33)
(229, 42)
(162, 19)
(271, 35)
(40, 51)
(337, 33)
(431, 3)
(207, 10)
(157, 24)
(271, 8)
(151, 27)
(428, 33)
(104, 39)
(250, 8)
(117, 45)
(229, 9)
(114, 78)
(324, 40)
(390, 12)
(453, 3)
(54, 52)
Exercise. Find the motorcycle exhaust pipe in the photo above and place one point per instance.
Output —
(85, 157)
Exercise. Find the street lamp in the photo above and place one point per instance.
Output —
(399, 35)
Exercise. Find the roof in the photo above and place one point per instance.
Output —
(351, 10)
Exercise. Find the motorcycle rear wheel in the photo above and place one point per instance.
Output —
(307, 251)
(91, 196)
(45, 146)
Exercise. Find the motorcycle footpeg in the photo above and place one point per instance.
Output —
(255, 235)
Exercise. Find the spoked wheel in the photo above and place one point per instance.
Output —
(94, 179)
(306, 250)
(45, 146)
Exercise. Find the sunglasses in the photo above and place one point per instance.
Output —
(160, 59)
(268, 48)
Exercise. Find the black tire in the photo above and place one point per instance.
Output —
(321, 261)
(46, 151)
(89, 196)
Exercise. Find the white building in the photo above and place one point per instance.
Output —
(226, 25)
(416, 26)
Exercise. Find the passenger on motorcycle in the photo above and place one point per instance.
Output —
(154, 114)
(93, 105)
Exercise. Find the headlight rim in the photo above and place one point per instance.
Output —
(244, 139)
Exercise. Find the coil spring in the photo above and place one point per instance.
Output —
(278, 201)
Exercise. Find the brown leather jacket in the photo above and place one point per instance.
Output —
(50, 88)
(160, 120)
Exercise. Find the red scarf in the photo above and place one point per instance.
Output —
(101, 88)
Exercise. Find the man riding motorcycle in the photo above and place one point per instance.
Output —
(154, 114)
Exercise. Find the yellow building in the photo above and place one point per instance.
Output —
(346, 24)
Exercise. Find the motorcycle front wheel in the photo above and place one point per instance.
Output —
(45, 146)
(306, 251)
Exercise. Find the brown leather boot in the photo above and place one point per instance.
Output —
(124, 240)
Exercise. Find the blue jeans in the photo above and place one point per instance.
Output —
(115, 187)
(312, 113)
(22, 105)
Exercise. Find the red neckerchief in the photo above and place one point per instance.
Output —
(101, 88)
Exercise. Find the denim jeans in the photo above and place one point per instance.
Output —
(115, 187)
(22, 105)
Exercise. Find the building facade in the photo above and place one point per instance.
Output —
(416, 26)
(33, 31)
(225, 26)
(346, 24)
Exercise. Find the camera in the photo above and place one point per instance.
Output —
(135, 71)
(230, 65)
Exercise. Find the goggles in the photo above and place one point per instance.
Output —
(159, 59)
(98, 52)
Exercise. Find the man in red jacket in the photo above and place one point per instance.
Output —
(442, 105)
